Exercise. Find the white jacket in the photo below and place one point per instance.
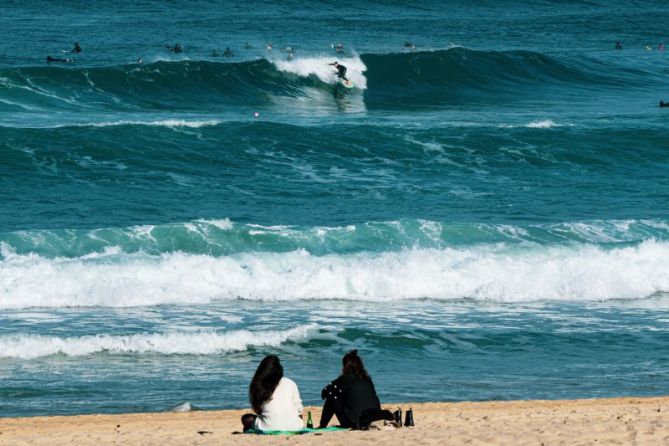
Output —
(282, 411)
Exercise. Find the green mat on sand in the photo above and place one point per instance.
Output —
(303, 431)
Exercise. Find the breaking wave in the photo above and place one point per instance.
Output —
(26, 346)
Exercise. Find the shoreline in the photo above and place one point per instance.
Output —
(627, 420)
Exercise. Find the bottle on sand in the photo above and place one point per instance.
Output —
(408, 421)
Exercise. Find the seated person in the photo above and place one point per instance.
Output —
(274, 399)
(352, 397)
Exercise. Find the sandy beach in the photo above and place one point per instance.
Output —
(619, 421)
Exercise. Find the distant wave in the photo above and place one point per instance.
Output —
(27, 346)
(388, 80)
(157, 123)
(482, 272)
(25, 148)
(223, 237)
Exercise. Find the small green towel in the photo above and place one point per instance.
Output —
(300, 432)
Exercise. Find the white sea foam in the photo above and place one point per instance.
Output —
(538, 124)
(27, 346)
(168, 123)
(544, 124)
(224, 224)
(156, 123)
(495, 272)
(319, 67)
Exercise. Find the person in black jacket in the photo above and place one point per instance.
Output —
(352, 397)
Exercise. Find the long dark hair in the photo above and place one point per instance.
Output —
(264, 382)
(352, 365)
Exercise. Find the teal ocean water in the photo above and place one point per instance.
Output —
(484, 216)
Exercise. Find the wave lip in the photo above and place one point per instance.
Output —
(26, 346)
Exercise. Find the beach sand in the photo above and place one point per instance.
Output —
(637, 421)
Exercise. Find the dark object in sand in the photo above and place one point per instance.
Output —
(408, 421)
(398, 417)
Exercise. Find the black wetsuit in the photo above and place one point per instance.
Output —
(353, 400)
(57, 59)
(341, 72)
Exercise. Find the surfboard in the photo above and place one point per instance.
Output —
(346, 84)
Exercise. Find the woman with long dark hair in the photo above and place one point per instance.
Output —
(352, 397)
(274, 398)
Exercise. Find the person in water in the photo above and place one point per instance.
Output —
(664, 104)
(339, 48)
(661, 46)
(619, 46)
(409, 46)
(228, 52)
(177, 48)
(341, 71)
(352, 397)
(275, 400)
(50, 59)
(77, 48)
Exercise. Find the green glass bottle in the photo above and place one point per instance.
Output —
(310, 423)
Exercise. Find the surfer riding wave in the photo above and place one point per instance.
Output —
(341, 71)
(348, 74)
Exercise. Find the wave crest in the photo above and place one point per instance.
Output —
(26, 346)
(497, 272)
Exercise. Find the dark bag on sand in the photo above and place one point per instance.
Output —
(368, 416)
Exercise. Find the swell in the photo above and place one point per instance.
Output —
(460, 75)
(156, 86)
(224, 237)
(165, 139)
(271, 173)
(388, 80)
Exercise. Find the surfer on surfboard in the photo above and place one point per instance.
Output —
(341, 71)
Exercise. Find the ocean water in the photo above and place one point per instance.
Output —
(485, 216)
